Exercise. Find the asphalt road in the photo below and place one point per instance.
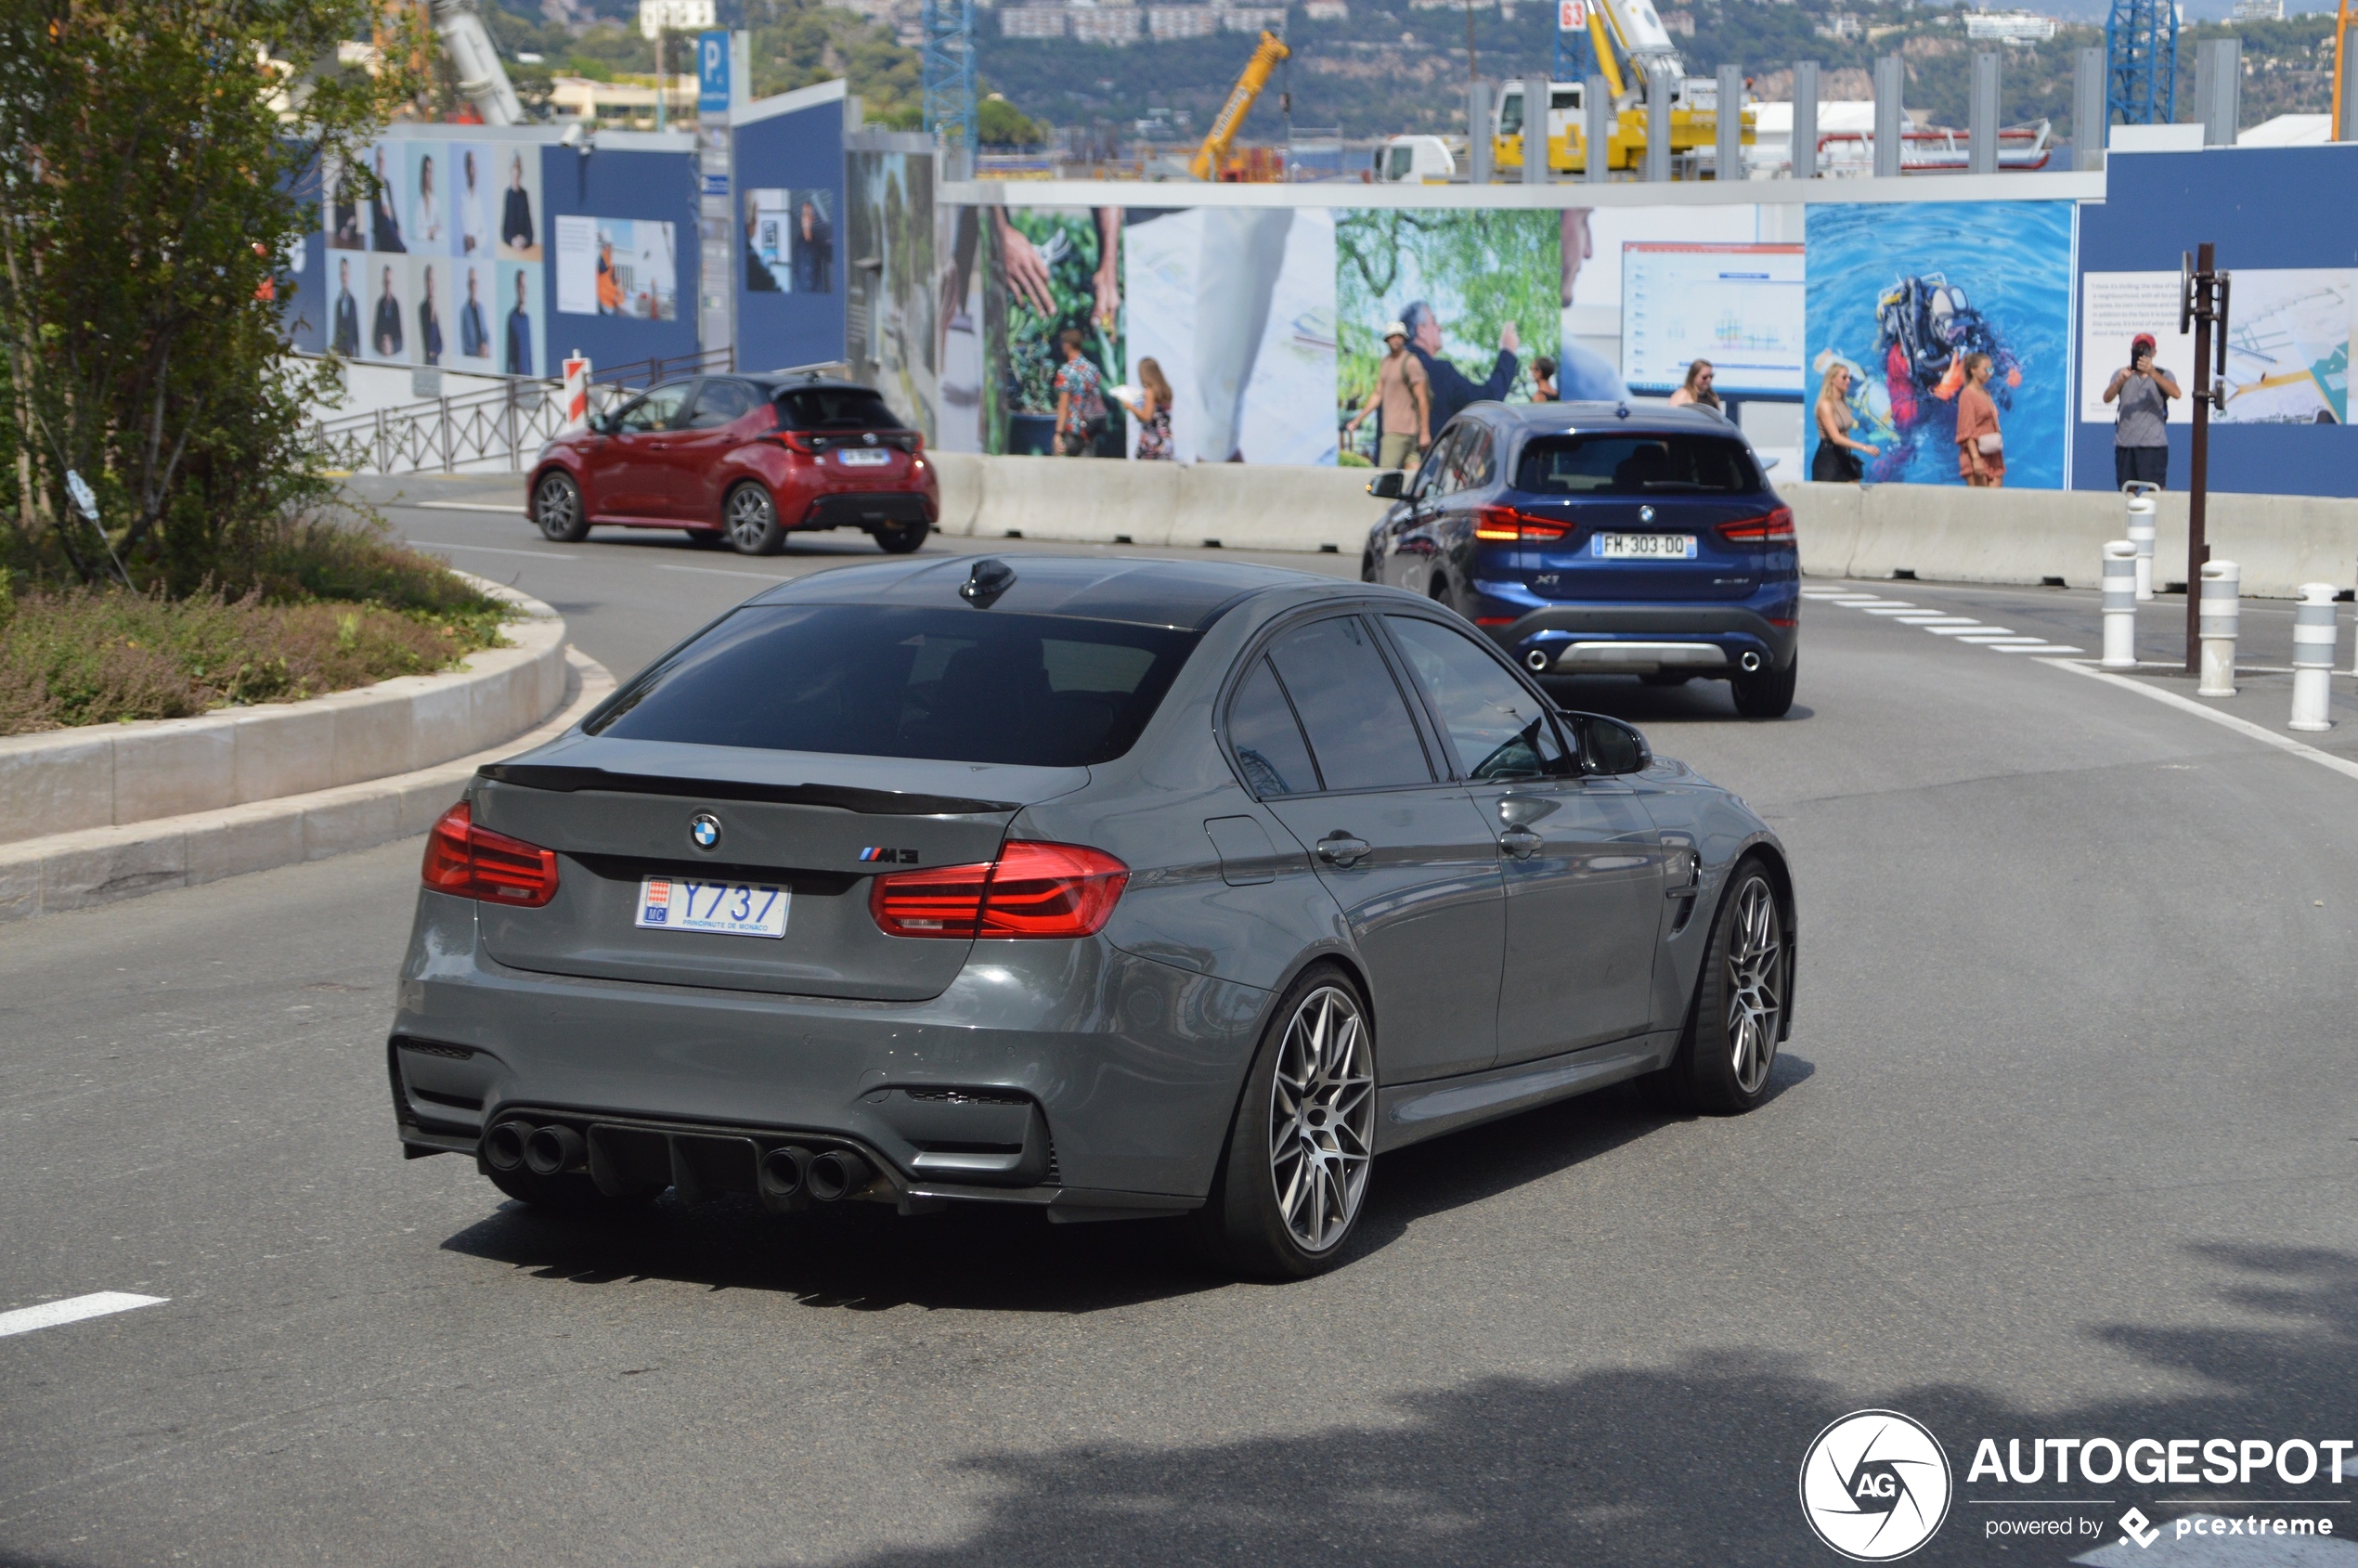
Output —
(2063, 1145)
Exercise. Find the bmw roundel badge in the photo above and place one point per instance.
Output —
(1645, 515)
(703, 829)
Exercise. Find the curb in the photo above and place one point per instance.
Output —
(93, 777)
(108, 864)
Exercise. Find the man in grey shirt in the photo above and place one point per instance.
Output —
(2141, 436)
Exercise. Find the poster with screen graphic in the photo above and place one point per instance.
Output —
(616, 266)
(474, 304)
(1595, 250)
(1230, 315)
(384, 312)
(518, 320)
(2288, 332)
(1906, 294)
(518, 213)
(1738, 306)
(1478, 291)
(1054, 271)
(791, 240)
(474, 202)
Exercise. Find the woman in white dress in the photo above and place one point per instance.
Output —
(426, 225)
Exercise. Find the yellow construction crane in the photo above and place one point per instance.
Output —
(1216, 141)
(1634, 30)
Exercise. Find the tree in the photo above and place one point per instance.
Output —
(167, 161)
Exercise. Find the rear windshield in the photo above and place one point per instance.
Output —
(958, 685)
(830, 408)
(1636, 465)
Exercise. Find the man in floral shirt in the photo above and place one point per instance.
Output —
(1081, 401)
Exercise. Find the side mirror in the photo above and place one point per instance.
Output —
(1610, 746)
(1386, 486)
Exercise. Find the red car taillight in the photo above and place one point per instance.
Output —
(1030, 891)
(474, 862)
(1506, 522)
(1775, 528)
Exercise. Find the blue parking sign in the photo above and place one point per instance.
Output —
(712, 73)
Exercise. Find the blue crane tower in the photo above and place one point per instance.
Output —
(1575, 57)
(946, 61)
(2141, 62)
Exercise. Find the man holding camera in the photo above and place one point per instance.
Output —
(2141, 436)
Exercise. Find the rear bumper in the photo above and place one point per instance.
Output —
(1642, 639)
(867, 509)
(1066, 1074)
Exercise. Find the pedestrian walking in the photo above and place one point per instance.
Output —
(1152, 410)
(1543, 381)
(1452, 389)
(1981, 449)
(1080, 400)
(1695, 391)
(1401, 403)
(1837, 459)
(2141, 432)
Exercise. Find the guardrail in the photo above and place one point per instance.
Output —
(510, 421)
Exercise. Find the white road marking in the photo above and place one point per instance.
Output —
(1880, 604)
(1936, 620)
(2243, 726)
(1969, 629)
(2040, 648)
(73, 1309)
(515, 511)
(488, 549)
(1892, 609)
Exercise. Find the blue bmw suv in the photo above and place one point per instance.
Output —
(1601, 538)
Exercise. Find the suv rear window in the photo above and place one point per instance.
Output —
(833, 407)
(1636, 464)
(873, 680)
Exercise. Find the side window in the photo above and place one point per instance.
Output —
(1351, 707)
(1470, 467)
(658, 409)
(720, 403)
(1429, 481)
(1267, 742)
(1496, 728)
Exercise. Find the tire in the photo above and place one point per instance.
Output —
(750, 519)
(557, 511)
(1292, 1181)
(708, 539)
(1730, 1045)
(900, 538)
(1367, 572)
(570, 1194)
(1767, 695)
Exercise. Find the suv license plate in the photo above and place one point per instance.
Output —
(728, 909)
(864, 457)
(1643, 547)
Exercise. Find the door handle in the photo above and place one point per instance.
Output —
(1519, 842)
(658, 446)
(1340, 849)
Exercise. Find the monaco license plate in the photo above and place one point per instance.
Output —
(728, 909)
(864, 457)
(1643, 547)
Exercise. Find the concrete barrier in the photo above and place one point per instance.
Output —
(112, 775)
(1937, 532)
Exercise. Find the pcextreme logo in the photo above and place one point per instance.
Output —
(1876, 1486)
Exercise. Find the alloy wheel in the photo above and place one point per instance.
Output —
(1755, 984)
(750, 515)
(1322, 1112)
(557, 507)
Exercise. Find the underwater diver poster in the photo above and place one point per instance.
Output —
(1904, 292)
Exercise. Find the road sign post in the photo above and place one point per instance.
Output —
(2202, 309)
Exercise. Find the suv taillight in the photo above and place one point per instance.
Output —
(1775, 528)
(1508, 522)
(474, 862)
(1030, 891)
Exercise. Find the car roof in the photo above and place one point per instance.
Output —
(1658, 418)
(1187, 595)
(772, 383)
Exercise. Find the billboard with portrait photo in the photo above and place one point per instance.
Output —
(384, 210)
(517, 210)
(791, 240)
(343, 215)
(474, 303)
(429, 312)
(426, 225)
(517, 316)
(387, 336)
(474, 201)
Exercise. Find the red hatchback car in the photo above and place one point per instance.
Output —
(741, 460)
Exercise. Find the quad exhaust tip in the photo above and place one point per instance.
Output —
(553, 1149)
(503, 1145)
(1750, 663)
(785, 1171)
(1537, 659)
(834, 1173)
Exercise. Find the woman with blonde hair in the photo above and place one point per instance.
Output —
(1152, 410)
(1696, 389)
(1981, 449)
(1836, 460)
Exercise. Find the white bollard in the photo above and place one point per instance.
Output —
(2142, 510)
(2222, 581)
(2120, 605)
(2313, 657)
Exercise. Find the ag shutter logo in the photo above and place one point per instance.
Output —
(1876, 1486)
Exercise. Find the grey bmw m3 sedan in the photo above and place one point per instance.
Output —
(1113, 887)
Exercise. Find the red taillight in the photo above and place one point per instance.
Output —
(1509, 522)
(1030, 891)
(791, 440)
(474, 862)
(1496, 620)
(1775, 528)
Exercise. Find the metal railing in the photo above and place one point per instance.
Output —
(511, 421)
